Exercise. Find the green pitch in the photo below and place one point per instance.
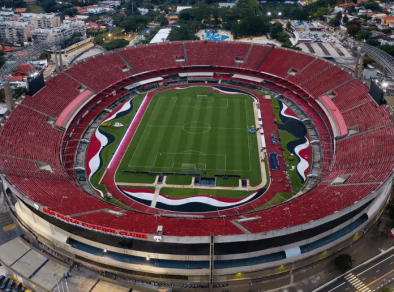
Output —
(195, 130)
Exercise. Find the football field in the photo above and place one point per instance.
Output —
(195, 130)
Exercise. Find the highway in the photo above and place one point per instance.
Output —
(368, 277)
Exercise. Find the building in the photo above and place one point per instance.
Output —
(43, 20)
(161, 36)
(64, 31)
(14, 32)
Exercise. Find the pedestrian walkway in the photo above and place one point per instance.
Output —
(360, 286)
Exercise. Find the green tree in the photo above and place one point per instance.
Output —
(373, 42)
(339, 16)
(45, 56)
(368, 60)
(117, 18)
(343, 262)
(334, 22)
(276, 28)
(352, 29)
(387, 290)
(345, 19)
(321, 11)
(115, 44)
(235, 30)
(162, 19)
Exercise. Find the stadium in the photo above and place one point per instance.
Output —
(198, 163)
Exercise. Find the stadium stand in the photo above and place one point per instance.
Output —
(206, 53)
(368, 152)
(289, 60)
(153, 57)
(350, 95)
(100, 72)
(58, 92)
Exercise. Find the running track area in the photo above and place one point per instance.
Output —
(278, 178)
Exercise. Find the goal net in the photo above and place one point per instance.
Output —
(189, 167)
(202, 96)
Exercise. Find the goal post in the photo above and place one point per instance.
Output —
(202, 96)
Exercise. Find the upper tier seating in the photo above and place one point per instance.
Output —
(367, 117)
(100, 72)
(153, 57)
(255, 56)
(280, 61)
(351, 94)
(326, 81)
(25, 168)
(368, 148)
(26, 135)
(61, 195)
(206, 53)
(58, 92)
(312, 70)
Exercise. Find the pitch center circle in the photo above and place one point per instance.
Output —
(196, 127)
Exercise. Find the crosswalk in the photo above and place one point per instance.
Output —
(360, 286)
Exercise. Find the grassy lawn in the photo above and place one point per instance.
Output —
(285, 138)
(179, 180)
(182, 133)
(35, 8)
(276, 107)
(110, 149)
(229, 182)
(184, 193)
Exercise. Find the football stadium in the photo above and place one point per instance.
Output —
(198, 164)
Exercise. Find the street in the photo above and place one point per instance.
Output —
(372, 276)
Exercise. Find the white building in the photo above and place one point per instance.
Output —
(14, 31)
(64, 31)
(161, 36)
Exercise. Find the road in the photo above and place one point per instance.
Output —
(372, 276)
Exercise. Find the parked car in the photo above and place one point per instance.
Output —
(10, 285)
(17, 287)
(4, 284)
(2, 278)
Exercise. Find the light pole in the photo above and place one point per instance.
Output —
(339, 194)
(61, 203)
(287, 209)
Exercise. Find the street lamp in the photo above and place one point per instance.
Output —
(279, 13)
(269, 13)
(61, 202)
(339, 194)
(287, 209)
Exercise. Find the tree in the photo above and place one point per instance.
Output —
(352, 29)
(321, 11)
(162, 19)
(343, 262)
(115, 44)
(235, 30)
(368, 60)
(334, 22)
(373, 42)
(387, 290)
(117, 18)
(276, 28)
(45, 56)
(345, 19)
(339, 16)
